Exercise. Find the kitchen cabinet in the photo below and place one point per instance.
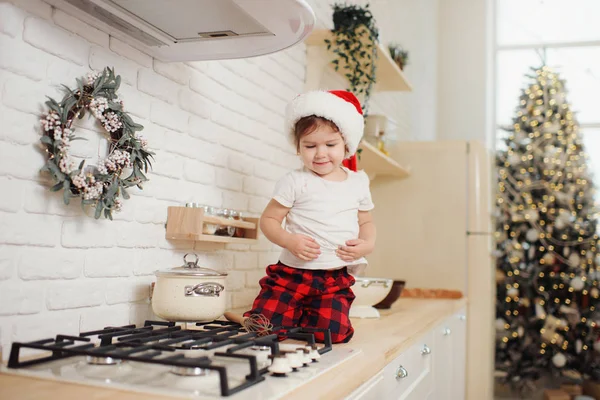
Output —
(432, 368)
(447, 196)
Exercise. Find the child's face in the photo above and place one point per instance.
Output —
(323, 150)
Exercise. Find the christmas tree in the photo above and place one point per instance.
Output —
(546, 242)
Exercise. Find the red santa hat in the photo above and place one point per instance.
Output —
(339, 106)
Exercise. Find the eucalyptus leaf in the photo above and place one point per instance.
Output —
(67, 192)
(112, 190)
(98, 212)
(68, 90)
(52, 104)
(124, 193)
(55, 170)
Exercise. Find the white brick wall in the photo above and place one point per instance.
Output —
(216, 128)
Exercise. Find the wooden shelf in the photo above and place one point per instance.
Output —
(187, 223)
(390, 77)
(212, 238)
(375, 163)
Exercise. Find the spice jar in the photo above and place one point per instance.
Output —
(221, 229)
(229, 215)
(239, 232)
(209, 228)
(225, 230)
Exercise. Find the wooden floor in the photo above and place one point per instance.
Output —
(503, 393)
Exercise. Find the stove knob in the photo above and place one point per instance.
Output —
(294, 359)
(314, 353)
(304, 356)
(280, 365)
(262, 357)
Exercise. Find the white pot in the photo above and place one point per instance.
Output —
(189, 293)
(368, 292)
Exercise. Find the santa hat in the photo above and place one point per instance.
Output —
(339, 106)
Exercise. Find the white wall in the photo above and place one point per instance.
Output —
(413, 25)
(465, 43)
(216, 130)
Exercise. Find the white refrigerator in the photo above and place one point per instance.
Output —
(434, 230)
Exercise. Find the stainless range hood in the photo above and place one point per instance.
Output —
(194, 30)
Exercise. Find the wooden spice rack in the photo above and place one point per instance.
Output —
(186, 223)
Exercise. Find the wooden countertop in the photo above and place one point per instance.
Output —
(380, 341)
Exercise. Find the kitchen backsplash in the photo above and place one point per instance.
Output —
(216, 129)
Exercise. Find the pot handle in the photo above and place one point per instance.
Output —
(190, 264)
(210, 289)
(194, 264)
(370, 282)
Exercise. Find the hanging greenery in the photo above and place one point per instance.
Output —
(398, 54)
(354, 43)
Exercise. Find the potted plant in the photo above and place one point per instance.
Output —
(398, 54)
(354, 43)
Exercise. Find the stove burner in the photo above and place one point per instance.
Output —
(190, 371)
(102, 360)
(162, 343)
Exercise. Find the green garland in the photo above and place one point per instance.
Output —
(355, 38)
(97, 186)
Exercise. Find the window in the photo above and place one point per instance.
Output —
(567, 35)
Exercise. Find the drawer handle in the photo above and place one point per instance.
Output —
(426, 350)
(462, 317)
(401, 372)
(447, 331)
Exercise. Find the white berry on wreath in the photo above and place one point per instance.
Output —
(100, 186)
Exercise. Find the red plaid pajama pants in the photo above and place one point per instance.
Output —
(294, 297)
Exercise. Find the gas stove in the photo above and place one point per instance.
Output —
(200, 361)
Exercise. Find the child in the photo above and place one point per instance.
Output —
(328, 228)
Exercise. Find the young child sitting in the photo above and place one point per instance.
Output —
(328, 226)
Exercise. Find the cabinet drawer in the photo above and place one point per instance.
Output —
(374, 388)
(409, 369)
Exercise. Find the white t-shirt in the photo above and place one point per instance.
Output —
(325, 210)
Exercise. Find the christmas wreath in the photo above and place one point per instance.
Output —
(128, 157)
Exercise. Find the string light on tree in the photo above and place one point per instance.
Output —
(546, 241)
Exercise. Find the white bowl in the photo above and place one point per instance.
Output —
(368, 292)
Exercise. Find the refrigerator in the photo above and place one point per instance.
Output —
(434, 230)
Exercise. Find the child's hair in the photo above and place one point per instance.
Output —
(306, 125)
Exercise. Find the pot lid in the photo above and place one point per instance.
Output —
(190, 268)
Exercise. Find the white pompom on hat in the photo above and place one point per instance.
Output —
(338, 106)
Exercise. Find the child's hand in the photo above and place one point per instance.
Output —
(303, 247)
(354, 249)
